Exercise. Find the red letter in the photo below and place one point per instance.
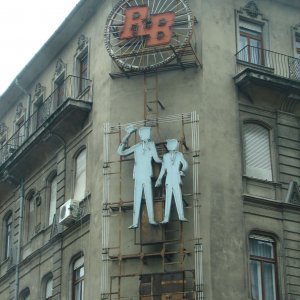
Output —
(134, 18)
(161, 31)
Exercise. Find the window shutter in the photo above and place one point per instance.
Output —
(80, 180)
(53, 196)
(257, 152)
(250, 26)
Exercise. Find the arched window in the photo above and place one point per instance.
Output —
(263, 267)
(47, 286)
(52, 198)
(257, 153)
(25, 294)
(30, 215)
(78, 279)
(80, 176)
(8, 235)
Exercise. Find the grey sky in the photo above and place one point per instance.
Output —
(24, 27)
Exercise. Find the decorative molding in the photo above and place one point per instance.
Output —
(251, 9)
(19, 110)
(59, 67)
(38, 199)
(39, 90)
(82, 42)
(3, 128)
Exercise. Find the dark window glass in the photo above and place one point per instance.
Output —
(8, 236)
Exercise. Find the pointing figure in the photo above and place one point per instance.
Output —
(143, 152)
(174, 165)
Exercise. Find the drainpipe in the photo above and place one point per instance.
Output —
(25, 92)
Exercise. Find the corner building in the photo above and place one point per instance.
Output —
(221, 77)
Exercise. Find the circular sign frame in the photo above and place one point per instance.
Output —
(142, 35)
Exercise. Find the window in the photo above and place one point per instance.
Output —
(39, 110)
(78, 279)
(25, 294)
(251, 43)
(20, 132)
(49, 288)
(30, 215)
(262, 267)
(83, 72)
(8, 236)
(53, 198)
(80, 176)
(59, 90)
(298, 46)
(294, 62)
(257, 154)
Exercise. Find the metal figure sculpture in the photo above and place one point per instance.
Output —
(143, 152)
(174, 165)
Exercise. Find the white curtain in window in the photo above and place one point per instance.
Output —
(257, 151)
(31, 217)
(80, 176)
(49, 288)
(53, 198)
(262, 264)
(256, 280)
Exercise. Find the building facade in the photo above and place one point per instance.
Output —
(220, 77)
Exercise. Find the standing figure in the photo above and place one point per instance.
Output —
(144, 152)
(174, 165)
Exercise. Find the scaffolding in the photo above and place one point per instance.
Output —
(151, 262)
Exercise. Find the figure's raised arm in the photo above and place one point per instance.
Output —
(121, 149)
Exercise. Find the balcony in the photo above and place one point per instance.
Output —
(258, 69)
(56, 119)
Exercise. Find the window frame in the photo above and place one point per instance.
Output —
(271, 154)
(264, 260)
(76, 178)
(46, 279)
(7, 234)
(30, 217)
(297, 44)
(241, 17)
(74, 281)
(83, 71)
(59, 90)
(82, 52)
(51, 199)
(252, 35)
(24, 294)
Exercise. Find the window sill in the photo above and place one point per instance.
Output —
(270, 182)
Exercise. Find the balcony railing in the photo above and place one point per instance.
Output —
(72, 87)
(268, 61)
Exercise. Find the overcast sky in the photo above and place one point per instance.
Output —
(25, 25)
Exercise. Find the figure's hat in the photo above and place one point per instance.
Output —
(172, 144)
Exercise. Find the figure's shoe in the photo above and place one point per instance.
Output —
(132, 226)
(183, 220)
(153, 223)
(164, 222)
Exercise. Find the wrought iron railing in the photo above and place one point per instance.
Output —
(72, 87)
(269, 61)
